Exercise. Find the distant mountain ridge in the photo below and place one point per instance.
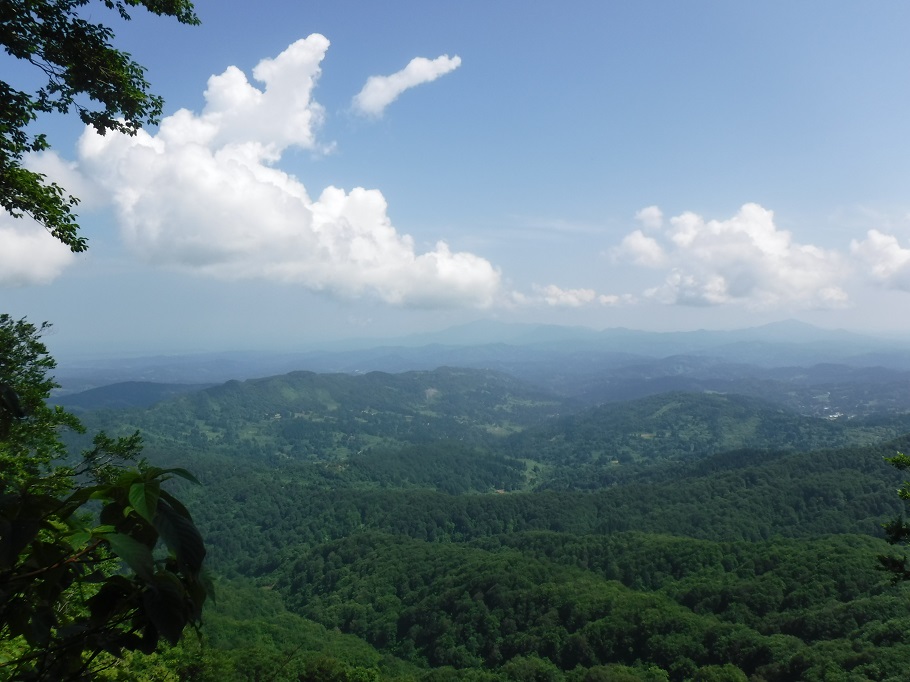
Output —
(798, 376)
(522, 349)
(124, 395)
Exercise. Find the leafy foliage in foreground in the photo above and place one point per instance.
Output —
(51, 553)
(64, 599)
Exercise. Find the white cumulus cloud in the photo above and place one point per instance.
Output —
(555, 296)
(204, 194)
(29, 254)
(651, 218)
(884, 260)
(380, 91)
(643, 250)
(744, 259)
(572, 298)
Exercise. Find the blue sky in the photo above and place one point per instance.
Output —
(657, 165)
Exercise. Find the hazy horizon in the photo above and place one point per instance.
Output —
(474, 333)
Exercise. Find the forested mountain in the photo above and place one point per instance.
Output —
(123, 396)
(584, 376)
(674, 425)
(465, 525)
(304, 415)
(308, 416)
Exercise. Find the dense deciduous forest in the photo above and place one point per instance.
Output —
(459, 524)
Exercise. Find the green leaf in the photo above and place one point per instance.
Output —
(165, 605)
(182, 473)
(114, 595)
(182, 538)
(77, 540)
(136, 555)
(100, 493)
(176, 504)
(144, 498)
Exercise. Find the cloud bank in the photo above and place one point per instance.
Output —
(884, 260)
(204, 194)
(745, 259)
(380, 91)
(29, 254)
(554, 296)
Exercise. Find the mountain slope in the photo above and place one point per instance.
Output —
(124, 395)
(303, 415)
(674, 425)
